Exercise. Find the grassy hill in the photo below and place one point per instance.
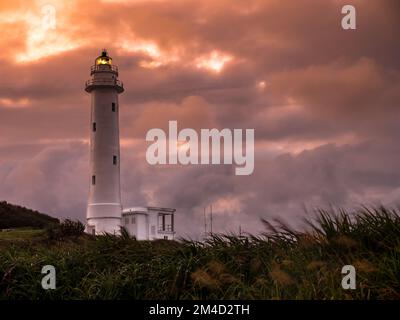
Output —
(280, 264)
(12, 216)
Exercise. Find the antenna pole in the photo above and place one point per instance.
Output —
(211, 218)
(205, 222)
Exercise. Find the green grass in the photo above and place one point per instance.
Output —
(21, 234)
(280, 264)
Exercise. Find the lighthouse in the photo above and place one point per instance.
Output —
(104, 207)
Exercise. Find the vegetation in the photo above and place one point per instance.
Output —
(280, 264)
(67, 229)
(12, 216)
(21, 234)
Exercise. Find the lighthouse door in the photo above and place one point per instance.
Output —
(91, 230)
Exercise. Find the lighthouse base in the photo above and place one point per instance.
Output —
(100, 226)
(103, 218)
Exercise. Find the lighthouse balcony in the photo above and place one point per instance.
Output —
(104, 68)
(104, 83)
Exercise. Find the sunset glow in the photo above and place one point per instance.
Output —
(155, 57)
(215, 61)
(45, 30)
(14, 103)
(261, 85)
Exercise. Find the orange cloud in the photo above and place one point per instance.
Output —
(215, 61)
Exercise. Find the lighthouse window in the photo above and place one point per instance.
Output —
(93, 180)
(114, 160)
(113, 107)
(94, 126)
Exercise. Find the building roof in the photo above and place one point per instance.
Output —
(161, 209)
(135, 209)
(145, 210)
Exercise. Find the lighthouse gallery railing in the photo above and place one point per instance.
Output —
(100, 82)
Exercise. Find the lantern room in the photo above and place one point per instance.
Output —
(103, 59)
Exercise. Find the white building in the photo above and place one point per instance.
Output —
(149, 223)
(104, 209)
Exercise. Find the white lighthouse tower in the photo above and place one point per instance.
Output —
(104, 203)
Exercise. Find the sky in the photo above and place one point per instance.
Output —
(323, 101)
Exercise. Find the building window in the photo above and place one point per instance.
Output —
(165, 237)
(153, 230)
(93, 180)
(126, 220)
(115, 160)
(113, 107)
(133, 220)
(94, 127)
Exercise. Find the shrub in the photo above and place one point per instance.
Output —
(66, 229)
(72, 228)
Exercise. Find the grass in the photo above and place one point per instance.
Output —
(21, 234)
(280, 264)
